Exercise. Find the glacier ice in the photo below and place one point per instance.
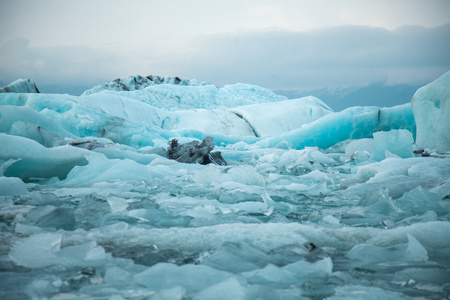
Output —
(310, 203)
(284, 115)
(431, 106)
(20, 86)
(137, 82)
(352, 123)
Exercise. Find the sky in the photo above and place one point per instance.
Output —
(283, 44)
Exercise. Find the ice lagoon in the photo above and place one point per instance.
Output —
(312, 204)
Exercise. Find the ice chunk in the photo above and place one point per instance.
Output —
(176, 293)
(192, 277)
(365, 292)
(36, 160)
(228, 289)
(20, 120)
(87, 254)
(354, 146)
(236, 258)
(431, 106)
(59, 218)
(398, 142)
(11, 186)
(236, 176)
(101, 169)
(36, 251)
(411, 251)
(117, 204)
(115, 274)
(159, 218)
(420, 200)
(295, 273)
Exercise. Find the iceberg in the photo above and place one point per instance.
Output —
(274, 118)
(431, 106)
(352, 123)
(20, 86)
(137, 82)
(165, 188)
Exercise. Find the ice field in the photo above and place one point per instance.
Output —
(312, 204)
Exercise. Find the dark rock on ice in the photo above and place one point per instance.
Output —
(195, 152)
(89, 145)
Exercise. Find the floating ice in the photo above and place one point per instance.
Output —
(36, 251)
(411, 251)
(420, 200)
(194, 278)
(10, 186)
(36, 161)
(397, 142)
(365, 292)
(321, 204)
(431, 106)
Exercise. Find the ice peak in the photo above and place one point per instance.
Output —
(20, 86)
(138, 82)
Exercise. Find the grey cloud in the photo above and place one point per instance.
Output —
(329, 57)
(55, 65)
(347, 55)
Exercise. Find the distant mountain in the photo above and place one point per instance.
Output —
(376, 94)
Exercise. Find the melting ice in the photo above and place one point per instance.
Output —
(309, 204)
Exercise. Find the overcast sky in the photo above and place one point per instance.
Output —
(279, 44)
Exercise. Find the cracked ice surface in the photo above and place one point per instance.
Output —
(91, 207)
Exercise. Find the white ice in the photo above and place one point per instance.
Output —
(431, 106)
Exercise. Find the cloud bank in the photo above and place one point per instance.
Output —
(329, 57)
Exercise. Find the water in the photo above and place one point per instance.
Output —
(272, 224)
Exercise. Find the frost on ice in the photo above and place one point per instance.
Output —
(108, 195)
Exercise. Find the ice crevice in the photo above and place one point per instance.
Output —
(249, 124)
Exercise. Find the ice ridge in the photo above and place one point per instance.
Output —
(138, 82)
(20, 86)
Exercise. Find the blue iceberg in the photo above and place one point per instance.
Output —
(108, 195)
